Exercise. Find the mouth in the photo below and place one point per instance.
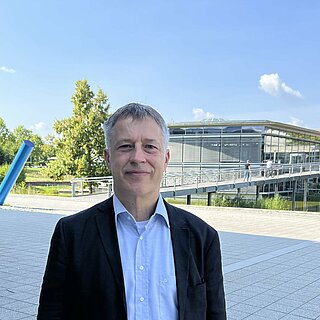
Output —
(137, 172)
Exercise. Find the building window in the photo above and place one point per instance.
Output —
(194, 131)
(282, 151)
(211, 150)
(252, 129)
(212, 130)
(177, 131)
(175, 146)
(250, 149)
(191, 152)
(230, 149)
(232, 130)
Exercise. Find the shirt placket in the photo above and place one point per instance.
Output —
(141, 271)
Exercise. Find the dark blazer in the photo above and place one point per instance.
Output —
(84, 281)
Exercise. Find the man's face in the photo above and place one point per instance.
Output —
(137, 158)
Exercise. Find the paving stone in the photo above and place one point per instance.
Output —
(237, 315)
(307, 313)
(268, 314)
(271, 260)
(7, 314)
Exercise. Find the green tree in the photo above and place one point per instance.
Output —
(4, 131)
(4, 170)
(21, 133)
(6, 144)
(49, 147)
(10, 143)
(80, 143)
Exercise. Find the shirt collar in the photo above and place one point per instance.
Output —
(160, 210)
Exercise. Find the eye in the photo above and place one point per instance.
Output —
(125, 147)
(150, 147)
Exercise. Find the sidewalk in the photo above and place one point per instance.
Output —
(271, 259)
(53, 204)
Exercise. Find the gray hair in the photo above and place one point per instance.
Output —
(136, 111)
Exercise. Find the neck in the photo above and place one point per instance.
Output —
(141, 208)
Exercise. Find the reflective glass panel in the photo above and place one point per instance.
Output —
(230, 149)
(192, 148)
(211, 149)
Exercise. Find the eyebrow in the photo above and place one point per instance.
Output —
(151, 140)
(124, 141)
(128, 140)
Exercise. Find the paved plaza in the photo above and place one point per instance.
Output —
(271, 259)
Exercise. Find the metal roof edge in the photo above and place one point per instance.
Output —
(218, 123)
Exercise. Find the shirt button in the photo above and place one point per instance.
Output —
(142, 299)
(165, 280)
(141, 238)
(141, 268)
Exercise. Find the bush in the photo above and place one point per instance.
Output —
(56, 170)
(274, 203)
(4, 169)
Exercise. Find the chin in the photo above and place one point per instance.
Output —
(140, 192)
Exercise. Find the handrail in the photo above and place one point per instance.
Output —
(215, 176)
(104, 184)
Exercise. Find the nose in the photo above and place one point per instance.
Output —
(138, 155)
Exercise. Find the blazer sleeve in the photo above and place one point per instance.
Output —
(216, 306)
(53, 291)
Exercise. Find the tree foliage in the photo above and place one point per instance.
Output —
(21, 133)
(4, 138)
(4, 170)
(10, 143)
(80, 143)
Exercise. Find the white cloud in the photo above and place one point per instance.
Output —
(5, 69)
(40, 128)
(295, 121)
(272, 84)
(200, 114)
(40, 125)
(290, 91)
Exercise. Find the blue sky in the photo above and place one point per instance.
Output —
(191, 60)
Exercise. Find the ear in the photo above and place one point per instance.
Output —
(107, 157)
(167, 158)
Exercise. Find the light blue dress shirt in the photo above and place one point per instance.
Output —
(147, 263)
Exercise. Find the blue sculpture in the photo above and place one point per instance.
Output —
(15, 169)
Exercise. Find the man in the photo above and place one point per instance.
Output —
(247, 171)
(269, 168)
(134, 256)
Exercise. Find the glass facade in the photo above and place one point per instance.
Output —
(211, 147)
(205, 146)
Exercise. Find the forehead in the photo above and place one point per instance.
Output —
(132, 128)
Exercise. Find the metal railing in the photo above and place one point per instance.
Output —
(95, 185)
(83, 186)
(235, 174)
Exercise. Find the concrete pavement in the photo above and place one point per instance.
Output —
(271, 259)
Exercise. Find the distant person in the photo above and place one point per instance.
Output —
(134, 256)
(247, 171)
(269, 168)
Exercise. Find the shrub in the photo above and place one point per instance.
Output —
(4, 169)
(275, 203)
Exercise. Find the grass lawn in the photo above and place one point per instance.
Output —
(39, 174)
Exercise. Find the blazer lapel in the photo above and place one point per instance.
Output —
(105, 220)
(180, 235)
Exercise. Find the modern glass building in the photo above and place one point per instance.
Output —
(228, 144)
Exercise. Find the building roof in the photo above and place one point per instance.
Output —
(265, 123)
